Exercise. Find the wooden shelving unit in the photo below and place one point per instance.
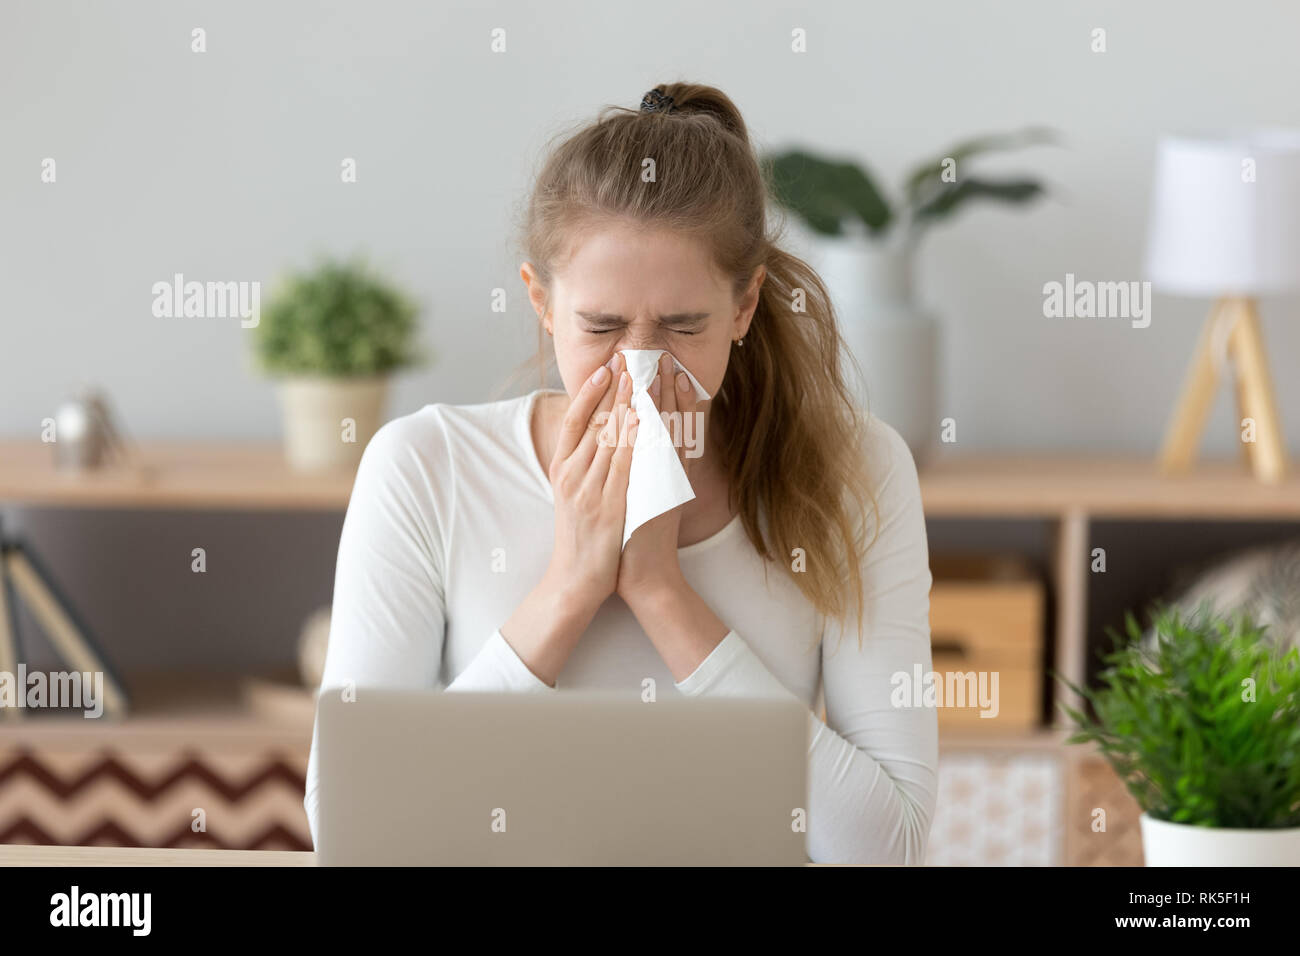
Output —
(185, 476)
(1068, 492)
(1071, 492)
(247, 743)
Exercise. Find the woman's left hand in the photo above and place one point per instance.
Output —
(649, 562)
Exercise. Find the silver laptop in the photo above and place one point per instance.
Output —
(417, 778)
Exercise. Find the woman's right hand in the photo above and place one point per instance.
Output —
(588, 473)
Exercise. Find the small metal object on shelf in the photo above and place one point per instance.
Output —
(85, 434)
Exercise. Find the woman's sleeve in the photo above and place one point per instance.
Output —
(872, 767)
(388, 616)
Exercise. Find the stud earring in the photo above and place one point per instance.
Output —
(740, 342)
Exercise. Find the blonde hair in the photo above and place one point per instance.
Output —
(790, 432)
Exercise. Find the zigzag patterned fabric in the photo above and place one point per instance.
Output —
(107, 798)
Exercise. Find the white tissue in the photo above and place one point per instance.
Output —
(657, 481)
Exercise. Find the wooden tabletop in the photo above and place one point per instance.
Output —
(252, 475)
(132, 856)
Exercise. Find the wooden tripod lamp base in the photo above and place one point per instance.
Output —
(1233, 330)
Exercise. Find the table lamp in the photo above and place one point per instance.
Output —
(1225, 225)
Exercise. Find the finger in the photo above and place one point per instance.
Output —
(667, 398)
(620, 467)
(582, 455)
(609, 435)
(574, 425)
(633, 423)
(688, 405)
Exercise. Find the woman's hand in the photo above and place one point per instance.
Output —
(588, 472)
(650, 559)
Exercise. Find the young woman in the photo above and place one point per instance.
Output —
(482, 548)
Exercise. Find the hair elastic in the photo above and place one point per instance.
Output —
(657, 102)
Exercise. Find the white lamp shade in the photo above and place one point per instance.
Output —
(1220, 227)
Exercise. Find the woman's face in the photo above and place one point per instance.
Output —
(629, 288)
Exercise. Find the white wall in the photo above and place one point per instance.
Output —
(226, 166)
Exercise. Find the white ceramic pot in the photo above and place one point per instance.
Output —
(1178, 844)
(895, 343)
(328, 421)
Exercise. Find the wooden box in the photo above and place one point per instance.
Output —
(986, 619)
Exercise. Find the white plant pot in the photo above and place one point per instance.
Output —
(328, 421)
(1178, 844)
(895, 343)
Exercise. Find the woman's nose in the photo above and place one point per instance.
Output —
(641, 339)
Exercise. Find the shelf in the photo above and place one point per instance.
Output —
(254, 475)
(170, 710)
(178, 475)
(1035, 738)
(1055, 486)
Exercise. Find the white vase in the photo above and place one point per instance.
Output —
(1179, 844)
(328, 421)
(895, 342)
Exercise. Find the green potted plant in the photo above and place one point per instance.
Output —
(333, 335)
(1201, 721)
(863, 242)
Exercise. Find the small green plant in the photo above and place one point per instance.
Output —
(1203, 723)
(827, 194)
(337, 320)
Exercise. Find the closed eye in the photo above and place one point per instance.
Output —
(609, 322)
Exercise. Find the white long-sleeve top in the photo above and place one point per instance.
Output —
(451, 524)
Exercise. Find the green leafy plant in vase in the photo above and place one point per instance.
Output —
(333, 335)
(863, 246)
(1201, 721)
(838, 198)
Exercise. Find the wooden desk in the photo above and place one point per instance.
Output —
(130, 856)
(126, 856)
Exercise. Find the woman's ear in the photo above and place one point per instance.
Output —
(536, 294)
(749, 303)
